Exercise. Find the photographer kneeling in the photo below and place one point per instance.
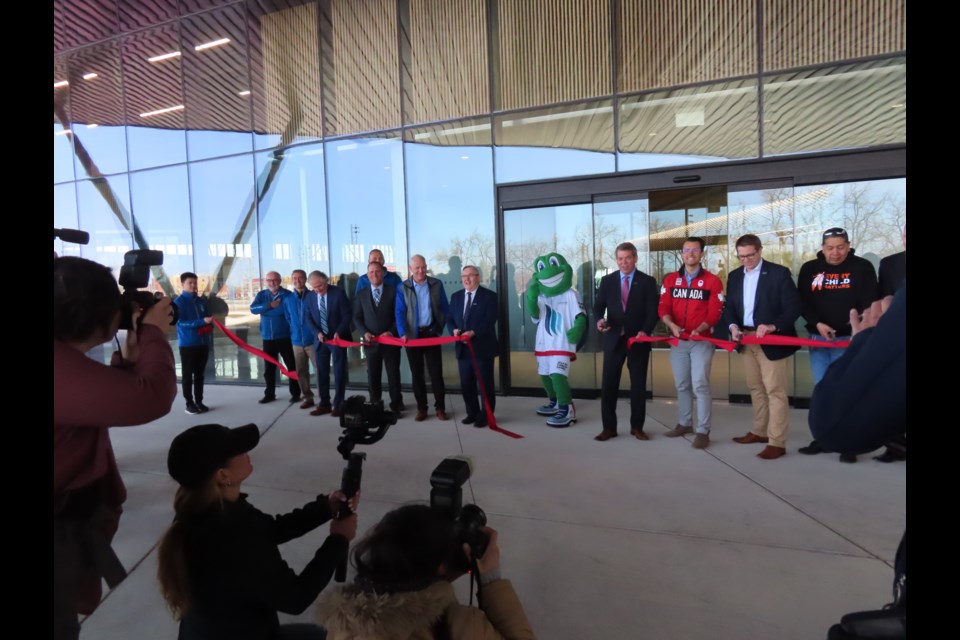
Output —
(220, 570)
(403, 589)
(89, 398)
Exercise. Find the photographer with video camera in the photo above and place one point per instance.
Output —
(89, 398)
(405, 568)
(219, 565)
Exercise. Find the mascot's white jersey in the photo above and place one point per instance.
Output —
(557, 315)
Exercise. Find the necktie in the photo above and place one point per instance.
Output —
(624, 292)
(376, 296)
(466, 312)
(323, 314)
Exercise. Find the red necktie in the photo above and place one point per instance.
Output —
(625, 292)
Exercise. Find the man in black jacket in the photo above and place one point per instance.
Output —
(762, 299)
(374, 315)
(625, 306)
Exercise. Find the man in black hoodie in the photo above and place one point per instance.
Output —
(830, 286)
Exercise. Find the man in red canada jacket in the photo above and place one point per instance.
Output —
(691, 302)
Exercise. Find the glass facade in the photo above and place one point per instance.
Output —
(242, 137)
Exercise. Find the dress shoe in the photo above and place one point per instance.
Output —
(321, 410)
(442, 415)
(848, 457)
(336, 412)
(701, 441)
(812, 449)
(468, 420)
(421, 415)
(605, 435)
(294, 399)
(306, 404)
(890, 456)
(678, 430)
(771, 452)
(266, 399)
(750, 438)
(481, 422)
(639, 434)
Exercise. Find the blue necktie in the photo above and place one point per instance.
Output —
(323, 314)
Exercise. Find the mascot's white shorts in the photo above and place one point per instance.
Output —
(549, 365)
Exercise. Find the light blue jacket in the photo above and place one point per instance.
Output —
(300, 334)
(273, 322)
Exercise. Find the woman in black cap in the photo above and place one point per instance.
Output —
(220, 570)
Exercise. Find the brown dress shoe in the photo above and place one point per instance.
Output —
(751, 438)
(771, 452)
(605, 435)
(321, 410)
(442, 415)
(306, 404)
(336, 412)
(421, 415)
(639, 434)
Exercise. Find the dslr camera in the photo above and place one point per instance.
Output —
(446, 496)
(134, 276)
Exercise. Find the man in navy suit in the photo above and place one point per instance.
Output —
(374, 314)
(762, 299)
(328, 315)
(473, 312)
(629, 298)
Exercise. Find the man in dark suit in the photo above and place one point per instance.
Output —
(763, 299)
(629, 298)
(328, 315)
(473, 312)
(374, 315)
(893, 271)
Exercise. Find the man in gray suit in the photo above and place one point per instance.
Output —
(374, 314)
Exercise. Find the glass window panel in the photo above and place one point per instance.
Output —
(136, 14)
(366, 206)
(528, 234)
(688, 126)
(445, 73)
(216, 83)
(104, 212)
(285, 72)
(65, 217)
(664, 44)
(89, 21)
(799, 33)
(855, 105)
(292, 211)
(161, 211)
(153, 86)
(556, 142)
(552, 51)
(96, 110)
(362, 66)
(224, 216)
(62, 138)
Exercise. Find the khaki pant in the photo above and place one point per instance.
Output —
(767, 381)
(303, 357)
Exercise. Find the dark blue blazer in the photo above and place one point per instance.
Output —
(339, 313)
(777, 303)
(483, 320)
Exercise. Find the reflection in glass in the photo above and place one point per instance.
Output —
(688, 126)
(136, 14)
(65, 216)
(292, 211)
(89, 21)
(62, 154)
(161, 210)
(528, 234)
(555, 142)
(103, 208)
(857, 105)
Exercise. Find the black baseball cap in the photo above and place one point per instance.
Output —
(198, 452)
(835, 232)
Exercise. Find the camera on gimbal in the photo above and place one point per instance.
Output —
(134, 276)
(446, 496)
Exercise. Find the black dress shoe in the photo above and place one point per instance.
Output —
(266, 399)
(468, 420)
(294, 399)
(848, 457)
(480, 423)
(812, 449)
(890, 456)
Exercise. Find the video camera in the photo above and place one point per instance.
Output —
(134, 276)
(446, 496)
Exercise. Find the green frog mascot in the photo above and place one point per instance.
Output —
(561, 322)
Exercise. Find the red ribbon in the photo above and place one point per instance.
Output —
(729, 345)
(257, 352)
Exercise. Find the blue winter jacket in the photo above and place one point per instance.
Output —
(273, 322)
(192, 310)
(300, 334)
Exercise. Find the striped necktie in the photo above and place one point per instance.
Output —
(323, 314)
(376, 296)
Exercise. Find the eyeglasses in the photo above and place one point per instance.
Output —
(747, 256)
(692, 250)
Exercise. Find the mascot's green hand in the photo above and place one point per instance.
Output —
(533, 292)
(577, 330)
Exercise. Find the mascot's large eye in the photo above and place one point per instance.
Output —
(540, 265)
(554, 261)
